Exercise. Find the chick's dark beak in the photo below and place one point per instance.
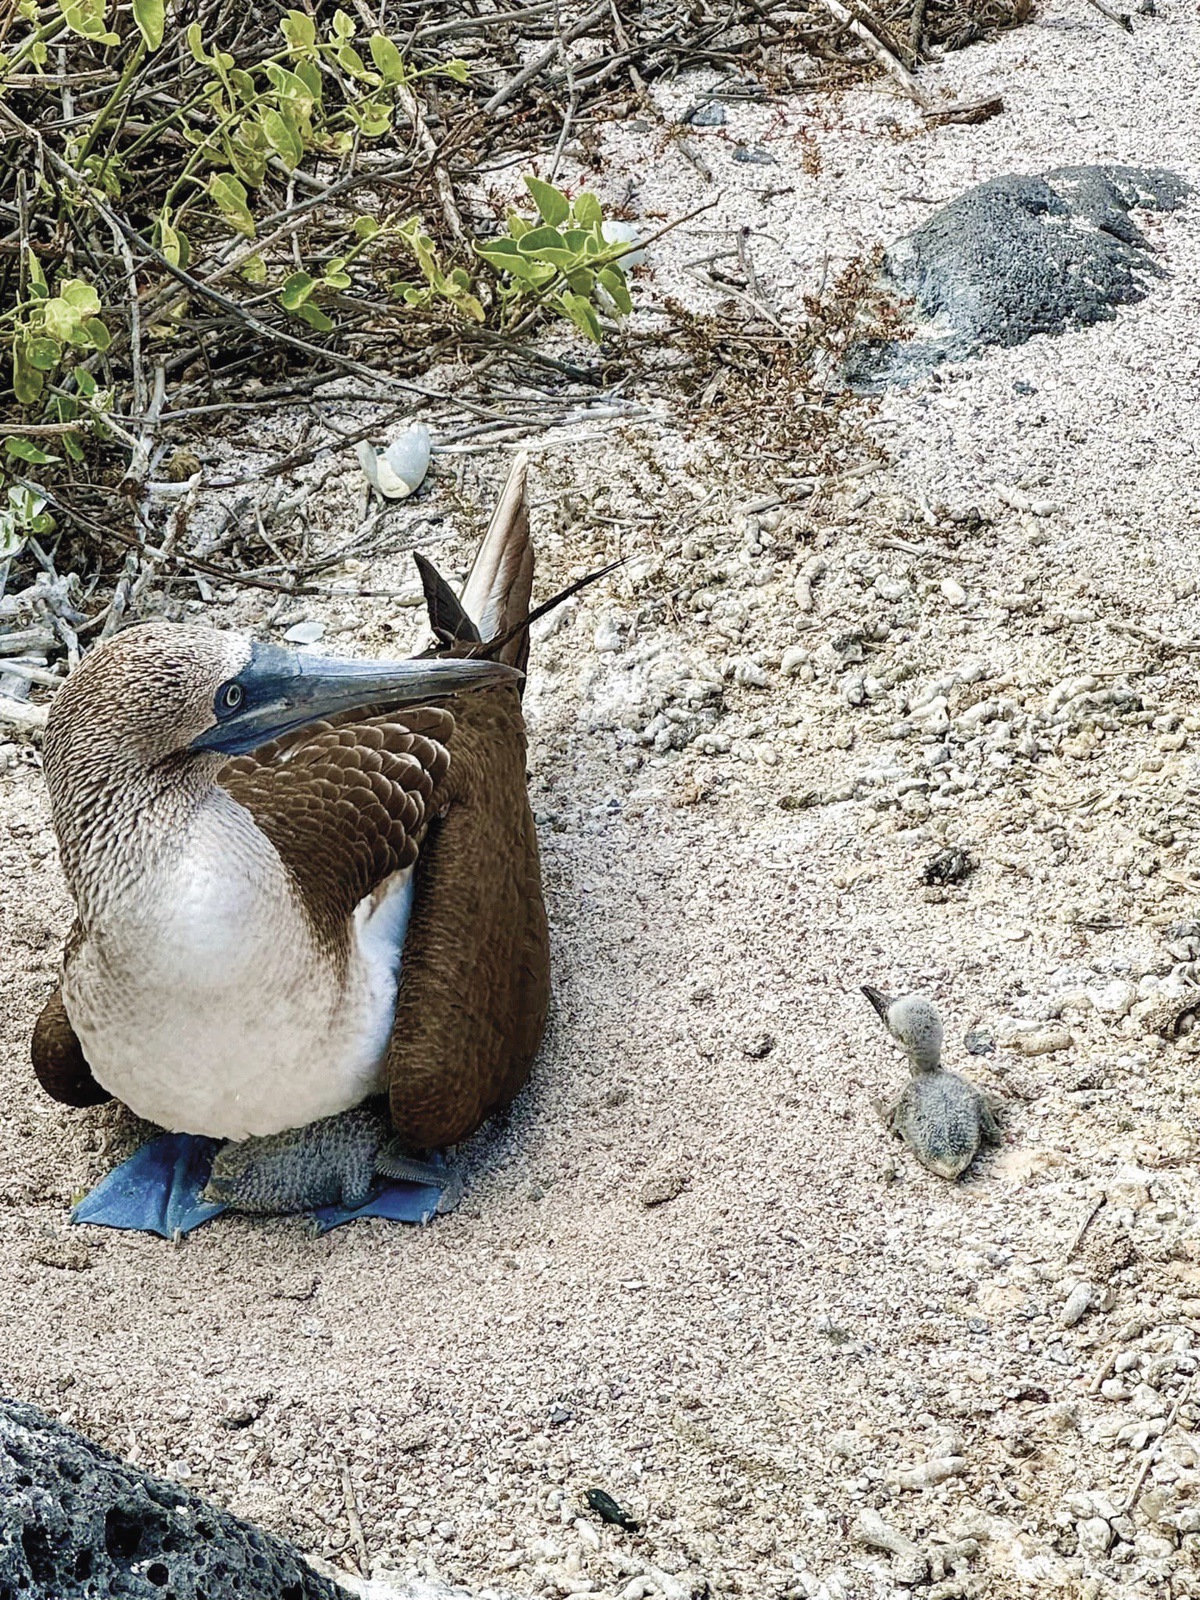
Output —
(882, 1002)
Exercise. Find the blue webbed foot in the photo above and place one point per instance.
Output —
(157, 1190)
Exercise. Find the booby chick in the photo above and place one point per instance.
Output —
(303, 882)
(338, 1163)
(941, 1117)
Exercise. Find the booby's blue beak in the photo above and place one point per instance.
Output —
(279, 690)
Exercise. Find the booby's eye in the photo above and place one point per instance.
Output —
(230, 699)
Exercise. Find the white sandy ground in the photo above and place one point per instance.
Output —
(752, 1365)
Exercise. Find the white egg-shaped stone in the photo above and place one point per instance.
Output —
(624, 233)
(399, 469)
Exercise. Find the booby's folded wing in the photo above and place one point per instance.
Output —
(346, 804)
(57, 1055)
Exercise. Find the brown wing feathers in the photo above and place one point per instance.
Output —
(346, 806)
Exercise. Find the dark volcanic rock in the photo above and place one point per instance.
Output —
(78, 1524)
(1017, 256)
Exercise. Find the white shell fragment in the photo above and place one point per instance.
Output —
(399, 469)
(624, 233)
(305, 633)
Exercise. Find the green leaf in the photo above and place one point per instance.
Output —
(581, 314)
(348, 58)
(299, 30)
(282, 138)
(517, 226)
(314, 317)
(309, 74)
(456, 69)
(87, 18)
(291, 86)
(500, 250)
(84, 382)
(232, 201)
(28, 382)
(254, 269)
(170, 242)
(72, 446)
(98, 335)
(195, 40)
(583, 281)
(539, 240)
(343, 25)
(388, 59)
(43, 353)
(244, 85)
(296, 291)
(547, 244)
(59, 318)
(553, 205)
(372, 117)
(470, 307)
(81, 296)
(506, 257)
(365, 227)
(26, 450)
(613, 279)
(151, 21)
(248, 154)
(586, 210)
(335, 275)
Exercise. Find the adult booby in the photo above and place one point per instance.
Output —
(255, 837)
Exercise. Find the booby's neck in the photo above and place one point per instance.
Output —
(118, 818)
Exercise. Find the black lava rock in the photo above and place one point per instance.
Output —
(78, 1524)
(1016, 256)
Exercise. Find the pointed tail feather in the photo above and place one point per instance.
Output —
(447, 618)
(497, 593)
(493, 616)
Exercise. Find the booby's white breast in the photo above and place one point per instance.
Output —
(203, 1001)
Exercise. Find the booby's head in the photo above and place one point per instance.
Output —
(914, 1024)
(163, 692)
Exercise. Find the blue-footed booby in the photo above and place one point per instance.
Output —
(941, 1117)
(303, 883)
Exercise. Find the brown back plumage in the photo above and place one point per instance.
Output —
(475, 986)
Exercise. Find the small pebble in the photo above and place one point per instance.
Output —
(607, 637)
(710, 115)
(954, 591)
(1077, 1304)
(1041, 1042)
(666, 1183)
(183, 464)
(910, 1566)
(927, 1474)
(754, 155)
